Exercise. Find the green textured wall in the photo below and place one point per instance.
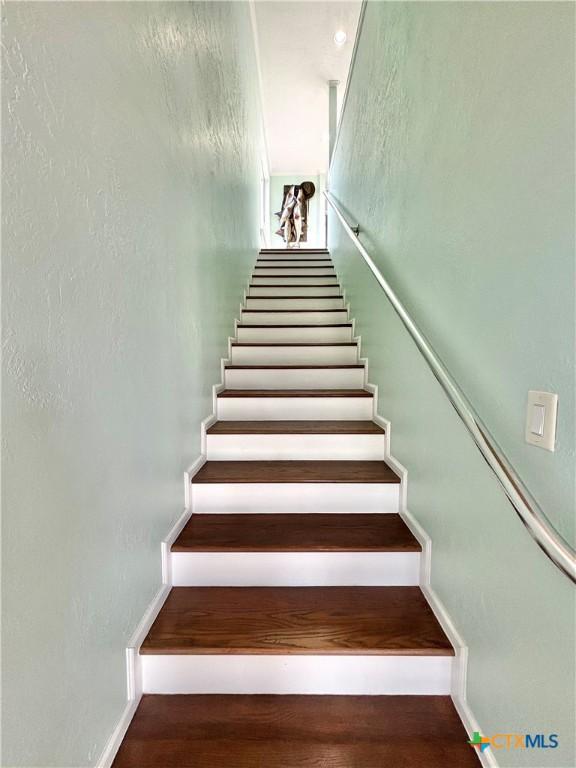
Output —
(456, 158)
(130, 224)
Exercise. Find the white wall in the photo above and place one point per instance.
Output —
(130, 223)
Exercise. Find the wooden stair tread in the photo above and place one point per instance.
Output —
(291, 258)
(219, 731)
(297, 366)
(291, 325)
(297, 620)
(296, 276)
(296, 533)
(295, 472)
(295, 393)
(294, 343)
(294, 285)
(289, 298)
(295, 428)
(284, 266)
(280, 311)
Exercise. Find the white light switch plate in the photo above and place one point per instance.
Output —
(541, 419)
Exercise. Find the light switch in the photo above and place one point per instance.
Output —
(538, 416)
(541, 419)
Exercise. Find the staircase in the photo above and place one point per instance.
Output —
(295, 574)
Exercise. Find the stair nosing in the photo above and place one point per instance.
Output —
(294, 325)
(293, 343)
(304, 472)
(295, 366)
(293, 310)
(299, 393)
(323, 427)
(397, 631)
(225, 533)
(291, 275)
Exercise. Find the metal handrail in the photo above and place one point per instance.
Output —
(525, 505)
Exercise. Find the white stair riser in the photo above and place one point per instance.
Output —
(295, 674)
(286, 279)
(287, 303)
(294, 318)
(300, 271)
(286, 290)
(239, 498)
(286, 408)
(297, 378)
(309, 262)
(294, 355)
(320, 334)
(292, 447)
(295, 569)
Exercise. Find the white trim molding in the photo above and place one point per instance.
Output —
(460, 664)
(133, 658)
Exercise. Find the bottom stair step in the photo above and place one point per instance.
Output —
(296, 732)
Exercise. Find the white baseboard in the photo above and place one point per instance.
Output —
(133, 660)
(487, 758)
(133, 678)
(113, 745)
(460, 665)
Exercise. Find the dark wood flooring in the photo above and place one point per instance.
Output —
(296, 533)
(294, 344)
(295, 472)
(295, 393)
(291, 325)
(328, 273)
(295, 428)
(294, 285)
(296, 732)
(296, 366)
(297, 620)
(286, 311)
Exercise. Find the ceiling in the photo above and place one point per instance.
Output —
(298, 56)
